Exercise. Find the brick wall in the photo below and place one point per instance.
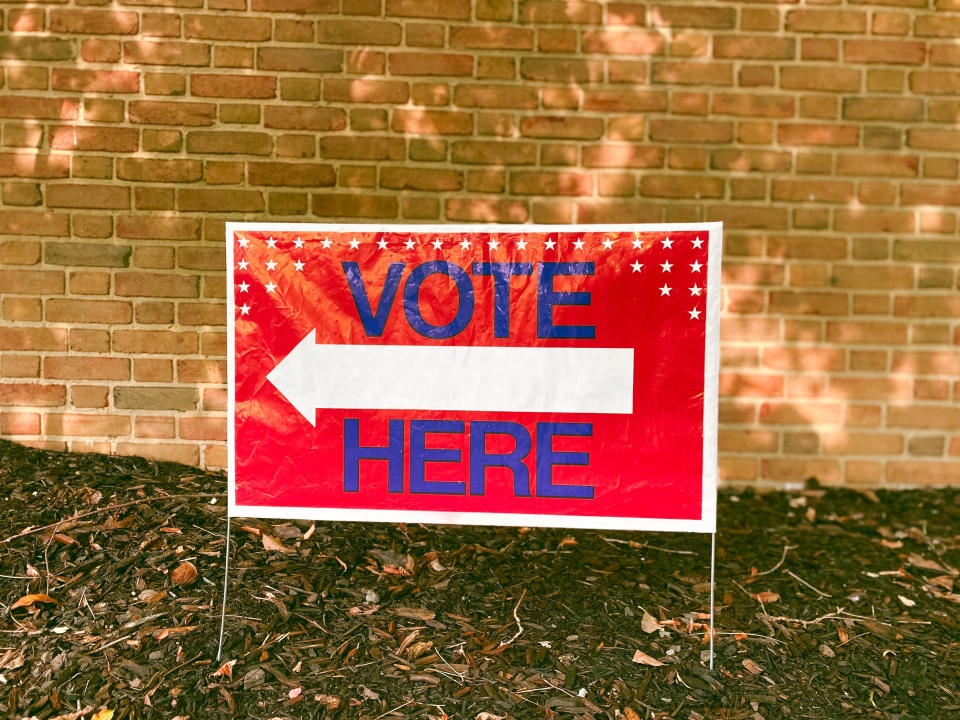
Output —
(824, 135)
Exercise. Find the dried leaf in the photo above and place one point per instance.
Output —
(331, 702)
(309, 533)
(765, 597)
(907, 602)
(643, 659)
(924, 564)
(28, 600)
(104, 714)
(827, 651)
(417, 649)
(648, 623)
(294, 693)
(892, 544)
(415, 613)
(174, 631)
(185, 574)
(225, 670)
(751, 666)
(271, 543)
(630, 714)
(490, 716)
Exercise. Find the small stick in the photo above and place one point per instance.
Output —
(801, 580)
(786, 549)
(517, 618)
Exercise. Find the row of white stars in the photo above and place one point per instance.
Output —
(492, 244)
(272, 265)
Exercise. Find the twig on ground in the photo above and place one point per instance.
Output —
(799, 579)
(646, 546)
(517, 618)
(786, 549)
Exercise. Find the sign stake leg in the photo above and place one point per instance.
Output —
(713, 565)
(223, 607)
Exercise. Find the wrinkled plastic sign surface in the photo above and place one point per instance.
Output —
(561, 376)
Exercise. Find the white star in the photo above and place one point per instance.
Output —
(382, 244)
(244, 309)
(666, 266)
(668, 243)
(271, 243)
(578, 244)
(698, 243)
(695, 267)
(243, 287)
(465, 244)
(242, 264)
(326, 242)
(409, 244)
(664, 290)
(242, 241)
(637, 265)
(354, 244)
(270, 287)
(607, 244)
(549, 244)
(638, 243)
(271, 265)
(493, 244)
(298, 243)
(694, 314)
(696, 290)
(521, 244)
(438, 243)
(299, 265)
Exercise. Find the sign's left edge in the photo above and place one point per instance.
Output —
(231, 229)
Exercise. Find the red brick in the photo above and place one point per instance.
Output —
(32, 394)
(150, 52)
(87, 425)
(94, 22)
(494, 152)
(753, 105)
(681, 186)
(624, 100)
(486, 210)
(549, 126)
(884, 51)
(707, 131)
(19, 423)
(562, 70)
(623, 42)
(222, 142)
(504, 38)
(552, 12)
(415, 63)
(551, 183)
(693, 73)
(363, 90)
(623, 156)
(827, 21)
(496, 96)
(34, 166)
(106, 197)
(159, 342)
(753, 47)
(233, 86)
(232, 27)
(105, 139)
(107, 81)
(212, 200)
(86, 368)
(362, 148)
(299, 59)
(811, 134)
(446, 9)
(406, 178)
(89, 311)
(203, 428)
(432, 122)
(156, 285)
(304, 118)
(366, 206)
(151, 426)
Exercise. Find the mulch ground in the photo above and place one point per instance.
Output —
(830, 604)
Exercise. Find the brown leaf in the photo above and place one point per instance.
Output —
(765, 596)
(415, 613)
(924, 564)
(892, 544)
(751, 666)
(271, 543)
(184, 574)
(226, 670)
(28, 600)
(643, 659)
(648, 623)
(174, 631)
(630, 714)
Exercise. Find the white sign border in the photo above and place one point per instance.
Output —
(707, 522)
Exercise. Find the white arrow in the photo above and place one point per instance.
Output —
(445, 377)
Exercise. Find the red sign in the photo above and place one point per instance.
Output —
(559, 376)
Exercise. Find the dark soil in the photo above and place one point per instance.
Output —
(830, 604)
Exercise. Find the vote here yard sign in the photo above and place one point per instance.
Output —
(561, 376)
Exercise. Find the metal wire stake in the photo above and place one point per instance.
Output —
(713, 565)
(223, 607)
